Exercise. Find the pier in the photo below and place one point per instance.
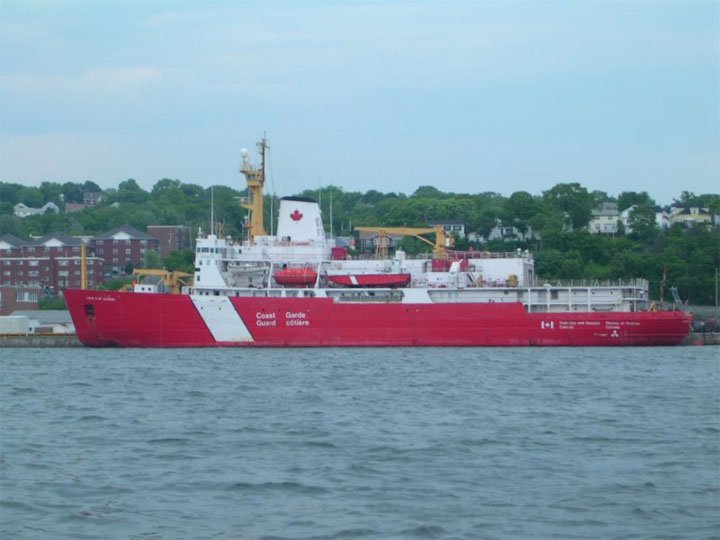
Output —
(39, 340)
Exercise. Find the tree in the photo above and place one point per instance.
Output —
(130, 192)
(427, 192)
(548, 263)
(642, 224)
(117, 283)
(31, 196)
(10, 224)
(413, 246)
(485, 221)
(51, 304)
(601, 197)
(91, 187)
(572, 199)
(143, 216)
(51, 192)
(165, 186)
(518, 209)
(72, 192)
(550, 226)
(152, 259)
(193, 191)
(180, 261)
(686, 197)
(10, 192)
(572, 265)
(629, 198)
(372, 197)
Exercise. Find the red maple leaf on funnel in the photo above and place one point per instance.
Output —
(296, 215)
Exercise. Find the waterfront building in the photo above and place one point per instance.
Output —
(52, 262)
(121, 247)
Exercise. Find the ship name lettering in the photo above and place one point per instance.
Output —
(297, 322)
(295, 315)
(265, 322)
(260, 315)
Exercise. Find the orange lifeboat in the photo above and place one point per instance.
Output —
(302, 276)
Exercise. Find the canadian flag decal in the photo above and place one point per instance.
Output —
(547, 324)
(296, 215)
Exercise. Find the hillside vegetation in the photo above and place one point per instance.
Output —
(563, 249)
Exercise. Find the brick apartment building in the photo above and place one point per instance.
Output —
(121, 246)
(51, 262)
(170, 237)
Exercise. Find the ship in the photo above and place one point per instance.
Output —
(300, 288)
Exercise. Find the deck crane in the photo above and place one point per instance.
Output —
(440, 245)
(172, 280)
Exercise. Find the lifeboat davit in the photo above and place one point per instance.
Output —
(370, 280)
(296, 277)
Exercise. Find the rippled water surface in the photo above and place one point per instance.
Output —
(360, 443)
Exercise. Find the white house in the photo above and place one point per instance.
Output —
(503, 232)
(21, 210)
(690, 215)
(604, 220)
(450, 226)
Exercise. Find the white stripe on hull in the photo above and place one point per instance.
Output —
(221, 318)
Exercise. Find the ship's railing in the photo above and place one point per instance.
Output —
(634, 283)
(453, 255)
(457, 255)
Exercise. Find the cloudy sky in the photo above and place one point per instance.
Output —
(387, 95)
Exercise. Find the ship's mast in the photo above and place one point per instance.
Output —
(83, 266)
(255, 178)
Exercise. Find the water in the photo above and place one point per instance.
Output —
(360, 443)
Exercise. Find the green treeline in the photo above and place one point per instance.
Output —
(563, 246)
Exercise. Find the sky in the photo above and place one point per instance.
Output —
(468, 97)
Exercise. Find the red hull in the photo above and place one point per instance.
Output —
(109, 318)
(370, 280)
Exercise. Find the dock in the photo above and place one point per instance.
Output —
(39, 340)
(704, 338)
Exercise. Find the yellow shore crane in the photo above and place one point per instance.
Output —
(440, 245)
